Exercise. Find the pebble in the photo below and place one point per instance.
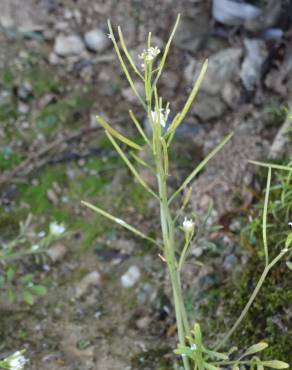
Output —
(230, 261)
(57, 252)
(68, 45)
(89, 280)
(131, 277)
(143, 322)
(96, 40)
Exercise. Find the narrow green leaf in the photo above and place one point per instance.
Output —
(214, 354)
(179, 118)
(198, 334)
(200, 166)
(139, 128)
(288, 241)
(265, 214)
(255, 348)
(125, 49)
(116, 134)
(275, 364)
(129, 164)
(124, 67)
(166, 50)
(289, 265)
(120, 222)
(210, 366)
(272, 165)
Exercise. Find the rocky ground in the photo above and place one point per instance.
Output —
(108, 304)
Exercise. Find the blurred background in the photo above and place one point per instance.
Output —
(99, 298)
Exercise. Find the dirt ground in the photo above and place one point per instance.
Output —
(53, 155)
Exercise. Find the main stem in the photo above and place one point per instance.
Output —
(169, 254)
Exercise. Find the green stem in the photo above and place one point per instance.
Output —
(169, 252)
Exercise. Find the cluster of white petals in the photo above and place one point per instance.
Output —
(290, 224)
(16, 361)
(148, 55)
(57, 229)
(161, 116)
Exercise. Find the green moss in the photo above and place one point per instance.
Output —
(268, 318)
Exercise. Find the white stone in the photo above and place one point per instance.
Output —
(96, 40)
(131, 277)
(68, 45)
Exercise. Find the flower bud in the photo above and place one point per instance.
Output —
(188, 225)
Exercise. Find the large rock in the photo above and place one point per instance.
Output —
(68, 45)
(222, 68)
(96, 40)
(256, 54)
(208, 107)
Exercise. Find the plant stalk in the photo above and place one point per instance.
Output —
(169, 252)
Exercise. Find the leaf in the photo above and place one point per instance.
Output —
(120, 222)
(27, 278)
(116, 134)
(129, 164)
(272, 165)
(265, 213)
(289, 265)
(198, 334)
(255, 348)
(39, 290)
(288, 240)
(10, 274)
(275, 364)
(186, 351)
(235, 367)
(28, 297)
(179, 118)
(210, 367)
(221, 356)
(11, 295)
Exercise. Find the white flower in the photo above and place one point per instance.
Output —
(57, 229)
(149, 55)
(193, 347)
(16, 361)
(109, 36)
(41, 234)
(161, 117)
(35, 247)
(290, 224)
(188, 225)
